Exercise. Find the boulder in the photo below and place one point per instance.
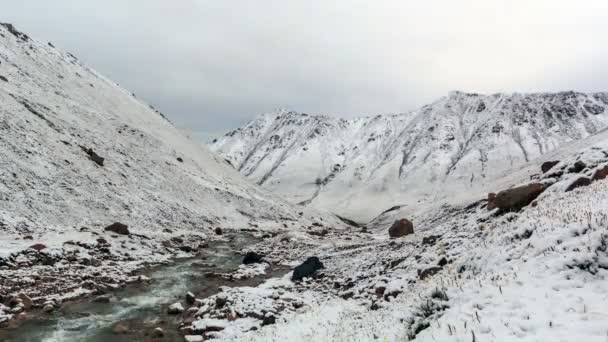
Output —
(120, 328)
(190, 298)
(118, 228)
(175, 309)
(26, 300)
(600, 173)
(38, 247)
(218, 231)
(491, 201)
(581, 181)
(577, 167)
(429, 272)
(548, 165)
(252, 258)
(158, 333)
(96, 158)
(518, 197)
(401, 228)
(307, 268)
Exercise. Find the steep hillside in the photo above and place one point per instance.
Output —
(451, 148)
(78, 153)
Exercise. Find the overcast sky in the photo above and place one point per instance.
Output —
(212, 65)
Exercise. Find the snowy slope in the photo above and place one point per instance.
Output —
(466, 274)
(454, 146)
(58, 118)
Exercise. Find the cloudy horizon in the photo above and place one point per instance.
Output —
(211, 66)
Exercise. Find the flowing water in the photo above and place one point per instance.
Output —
(139, 307)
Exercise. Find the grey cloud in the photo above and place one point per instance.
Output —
(213, 65)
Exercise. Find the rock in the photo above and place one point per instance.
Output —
(546, 166)
(442, 262)
(491, 201)
(379, 291)
(120, 328)
(102, 299)
(430, 240)
(518, 197)
(577, 167)
(38, 247)
(581, 181)
(175, 309)
(26, 300)
(600, 173)
(179, 159)
(307, 268)
(220, 301)
(252, 258)
(190, 298)
(218, 231)
(48, 308)
(28, 237)
(401, 228)
(95, 157)
(428, 272)
(158, 333)
(3, 78)
(118, 228)
(269, 319)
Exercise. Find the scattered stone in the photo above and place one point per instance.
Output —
(175, 309)
(307, 268)
(577, 167)
(118, 228)
(546, 166)
(3, 78)
(179, 159)
(269, 319)
(190, 298)
(442, 262)
(120, 329)
(581, 181)
(26, 300)
(220, 301)
(518, 197)
(379, 291)
(218, 231)
(252, 258)
(38, 247)
(102, 299)
(428, 272)
(430, 240)
(401, 228)
(158, 333)
(95, 157)
(28, 237)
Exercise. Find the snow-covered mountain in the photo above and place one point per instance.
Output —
(451, 148)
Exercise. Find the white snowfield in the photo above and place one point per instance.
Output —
(454, 147)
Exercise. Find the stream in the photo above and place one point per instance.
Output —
(142, 307)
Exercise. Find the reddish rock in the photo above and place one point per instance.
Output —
(118, 228)
(601, 173)
(518, 197)
(401, 228)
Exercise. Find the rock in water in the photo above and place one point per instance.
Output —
(519, 197)
(120, 329)
(252, 258)
(118, 228)
(401, 228)
(175, 309)
(546, 166)
(158, 333)
(190, 298)
(306, 269)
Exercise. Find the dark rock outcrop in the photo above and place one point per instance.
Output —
(307, 268)
(252, 258)
(401, 228)
(118, 228)
(581, 181)
(518, 197)
(546, 166)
